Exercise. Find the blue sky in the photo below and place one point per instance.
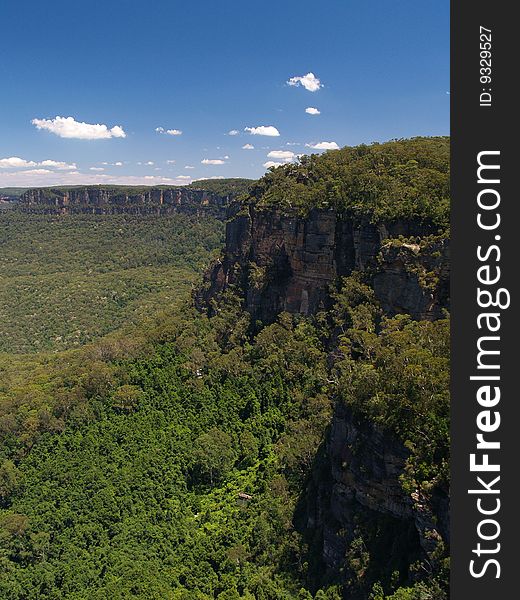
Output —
(205, 68)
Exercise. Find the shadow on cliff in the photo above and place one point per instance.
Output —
(359, 525)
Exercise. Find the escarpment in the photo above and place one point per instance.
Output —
(282, 262)
(110, 200)
(287, 249)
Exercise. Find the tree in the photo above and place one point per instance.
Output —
(10, 478)
(213, 455)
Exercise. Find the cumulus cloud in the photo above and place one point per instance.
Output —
(272, 163)
(170, 162)
(212, 161)
(310, 82)
(168, 131)
(58, 164)
(323, 146)
(310, 110)
(189, 167)
(114, 164)
(68, 127)
(234, 132)
(248, 147)
(96, 169)
(285, 155)
(268, 130)
(15, 162)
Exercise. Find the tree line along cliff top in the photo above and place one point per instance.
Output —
(407, 178)
(221, 187)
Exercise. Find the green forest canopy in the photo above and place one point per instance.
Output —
(383, 182)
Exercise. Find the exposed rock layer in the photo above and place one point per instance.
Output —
(355, 488)
(288, 263)
(278, 262)
(99, 200)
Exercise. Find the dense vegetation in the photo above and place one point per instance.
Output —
(404, 178)
(12, 192)
(235, 186)
(138, 496)
(65, 280)
(169, 461)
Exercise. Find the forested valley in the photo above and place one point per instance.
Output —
(154, 447)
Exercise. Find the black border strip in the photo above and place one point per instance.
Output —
(475, 128)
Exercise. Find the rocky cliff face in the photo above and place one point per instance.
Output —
(278, 262)
(99, 200)
(288, 263)
(355, 490)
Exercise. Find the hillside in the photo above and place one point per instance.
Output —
(69, 279)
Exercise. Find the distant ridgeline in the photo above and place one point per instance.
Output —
(208, 197)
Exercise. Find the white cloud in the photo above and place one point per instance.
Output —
(46, 177)
(170, 162)
(272, 163)
(310, 82)
(150, 163)
(68, 127)
(183, 177)
(189, 167)
(37, 172)
(293, 144)
(212, 161)
(312, 111)
(234, 132)
(168, 131)
(323, 146)
(58, 164)
(248, 147)
(212, 177)
(268, 130)
(116, 164)
(15, 162)
(96, 169)
(285, 155)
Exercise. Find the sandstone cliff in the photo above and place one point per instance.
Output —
(355, 492)
(137, 201)
(281, 262)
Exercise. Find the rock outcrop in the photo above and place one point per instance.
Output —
(281, 262)
(107, 200)
(355, 488)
